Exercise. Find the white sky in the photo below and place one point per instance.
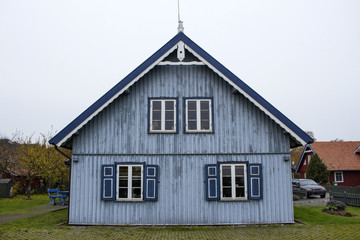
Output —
(58, 57)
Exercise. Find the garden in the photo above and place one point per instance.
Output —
(311, 223)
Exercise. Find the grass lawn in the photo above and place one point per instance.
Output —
(18, 202)
(318, 225)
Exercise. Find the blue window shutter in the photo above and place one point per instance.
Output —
(108, 182)
(255, 181)
(151, 178)
(212, 182)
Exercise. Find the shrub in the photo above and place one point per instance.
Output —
(317, 170)
(336, 205)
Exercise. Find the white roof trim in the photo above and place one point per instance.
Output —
(158, 61)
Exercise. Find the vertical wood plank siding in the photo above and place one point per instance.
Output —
(241, 133)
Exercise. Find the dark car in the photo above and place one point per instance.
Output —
(310, 186)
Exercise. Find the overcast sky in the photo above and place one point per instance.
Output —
(59, 57)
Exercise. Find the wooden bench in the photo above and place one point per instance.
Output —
(60, 195)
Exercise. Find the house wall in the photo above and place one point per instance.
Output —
(181, 198)
(120, 134)
(351, 178)
(302, 168)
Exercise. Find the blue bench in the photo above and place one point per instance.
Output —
(57, 194)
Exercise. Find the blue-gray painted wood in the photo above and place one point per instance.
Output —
(181, 197)
(240, 127)
(120, 134)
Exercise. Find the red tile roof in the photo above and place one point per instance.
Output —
(338, 155)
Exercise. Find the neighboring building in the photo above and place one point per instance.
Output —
(181, 140)
(19, 176)
(341, 158)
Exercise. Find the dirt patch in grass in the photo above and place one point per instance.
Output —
(339, 213)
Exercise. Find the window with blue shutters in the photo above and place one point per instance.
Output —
(233, 181)
(129, 182)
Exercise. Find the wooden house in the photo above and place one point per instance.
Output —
(341, 158)
(180, 141)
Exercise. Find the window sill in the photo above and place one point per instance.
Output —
(197, 132)
(234, 200)
(129, 200)
(162, 132)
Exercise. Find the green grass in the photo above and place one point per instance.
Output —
(318, 225)
(46, 220)
(18, 202)
(314, 215)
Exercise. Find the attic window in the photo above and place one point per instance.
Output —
(162, 116)
(198, 114)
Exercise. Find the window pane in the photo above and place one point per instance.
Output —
(239, 181)
(204, 115)
(204, 105)
(156, 105)
(191, 105)
(239, 170)
(205, 125)
(192, 125)
(123, 182)
(156, 115)
(169, 125)
(226, 181)
(136, 182)
(136, 193)
(192, 115)
(169, 105)
(240, 192)
(156, 125)
(123, 171)
(169, 115)
(123, 192)
(226, 192)
(226, 170)
(136, 171)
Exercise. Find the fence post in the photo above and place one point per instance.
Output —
(345, 197)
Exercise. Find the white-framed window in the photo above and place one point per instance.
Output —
(162, 116)
(198, 115)
(129, 183)
(233, 181)
(309, 158)
(338, 176)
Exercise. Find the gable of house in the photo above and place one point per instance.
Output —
(198, 57)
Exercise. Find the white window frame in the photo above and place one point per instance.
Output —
(308, 159)
(162, 127)
(198, 115)
(342, 177)
(233, 188)
(129, 198)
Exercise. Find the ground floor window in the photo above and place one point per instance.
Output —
(233, 181)
(129, 182)
(338, 176)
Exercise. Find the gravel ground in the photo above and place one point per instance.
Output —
(313, 201)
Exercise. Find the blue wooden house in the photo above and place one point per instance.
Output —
(181, 140)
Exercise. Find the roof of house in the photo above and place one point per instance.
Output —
(357, 150)
(336, 155)
(297, 136)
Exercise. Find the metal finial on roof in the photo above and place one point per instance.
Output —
(180, 26)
